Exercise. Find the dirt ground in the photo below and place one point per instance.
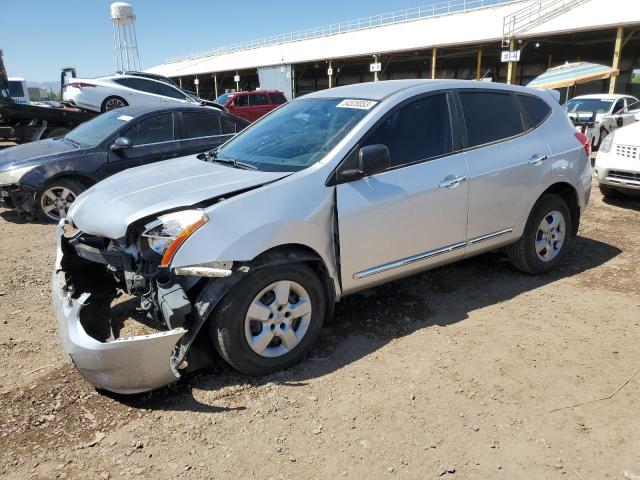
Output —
(468, 371)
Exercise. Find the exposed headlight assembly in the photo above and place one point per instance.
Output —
(11, 177)
(165, 235)
(607, 143)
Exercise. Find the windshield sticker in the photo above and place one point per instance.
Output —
(125, 118)
(359, 104)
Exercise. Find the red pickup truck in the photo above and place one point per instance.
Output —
(251, 105)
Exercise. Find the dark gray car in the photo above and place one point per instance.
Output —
(45, 177)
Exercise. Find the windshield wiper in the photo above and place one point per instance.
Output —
(72, 142)
(212, 156)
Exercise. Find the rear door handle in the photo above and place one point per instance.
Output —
(452, 181)
(537, 158)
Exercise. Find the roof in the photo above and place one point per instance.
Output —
(601, 96)
(144, 109)
(462, 28)
(383, 89)
(571, 74)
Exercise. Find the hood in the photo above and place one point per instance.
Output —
(110, 206)
(629, 135)
(34, 153)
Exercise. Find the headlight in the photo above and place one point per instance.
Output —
(9, 177)
(165, 235)
(607, 143)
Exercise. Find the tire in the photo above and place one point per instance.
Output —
(608, 192)
(64, 191)
(538, 252)
(232, 329)
(603, 134)
(55, 132)
(112, 103)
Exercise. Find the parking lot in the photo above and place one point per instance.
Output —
(468, 371)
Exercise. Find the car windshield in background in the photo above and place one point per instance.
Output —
(96, 130)
(296, 135)
(222, 99)
(589, 105)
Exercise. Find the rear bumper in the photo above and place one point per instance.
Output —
(124, 365)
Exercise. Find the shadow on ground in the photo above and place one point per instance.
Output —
(366, 321)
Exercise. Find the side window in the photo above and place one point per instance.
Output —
(158, 128)
(200, 125)
(490, 116)
(536, 109)
(228, 126)
(142, 85)
(256, 99)
(125, 82)
(277, 98)
(618, 107)
(417, 131)
(168, 91)
(241, 101)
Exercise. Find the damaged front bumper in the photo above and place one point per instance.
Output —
(125, 365)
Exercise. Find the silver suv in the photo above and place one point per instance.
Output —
(244, 250)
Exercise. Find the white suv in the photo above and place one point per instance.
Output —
(245, 250)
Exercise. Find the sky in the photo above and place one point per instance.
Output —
(41, 36)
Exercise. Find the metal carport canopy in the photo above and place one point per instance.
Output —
(571, 74)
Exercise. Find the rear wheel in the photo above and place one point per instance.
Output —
(546, 237)
(55, 199)
(270, 320)
(112, 103)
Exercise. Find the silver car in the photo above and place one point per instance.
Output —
(244, 250)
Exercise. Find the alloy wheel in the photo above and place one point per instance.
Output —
(114, 103)
(56, 201)
(550, 236)
(278, 318)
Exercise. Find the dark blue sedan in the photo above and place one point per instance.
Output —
(45, 177)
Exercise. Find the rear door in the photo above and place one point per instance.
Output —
(154, 138)
(201, 131)
(259, 105)
(508, 162)
(413, 215)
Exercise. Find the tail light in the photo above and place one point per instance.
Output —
(80, 85)
(584, 140)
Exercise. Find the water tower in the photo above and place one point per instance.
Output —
(124, 37)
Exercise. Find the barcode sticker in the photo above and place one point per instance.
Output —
(359, 104)
(125, 118)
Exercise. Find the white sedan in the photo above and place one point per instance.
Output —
(618, 161)
(116, 91)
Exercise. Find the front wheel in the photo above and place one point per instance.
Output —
(545, 238)
(55, 199)
(270, 320)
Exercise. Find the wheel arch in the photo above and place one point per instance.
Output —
(570, 195)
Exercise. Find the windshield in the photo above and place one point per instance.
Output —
(98, 129)
(590, 105)
(222, 99)
(297, 134)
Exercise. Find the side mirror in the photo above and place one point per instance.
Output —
(619, 121)
(372, 159)
(121, 143)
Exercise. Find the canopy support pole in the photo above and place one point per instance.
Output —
(434, 53)
(215, 84)
(479, 64)
(511, 68)
(616, 60)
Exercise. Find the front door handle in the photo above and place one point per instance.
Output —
(452, 181)
(537, 158)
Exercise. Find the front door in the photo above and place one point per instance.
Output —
(153, 138)
(412, 216)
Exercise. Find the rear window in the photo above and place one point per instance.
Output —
(201, 125)
(490, 117)
(258, 99)
(229, 126)
(15, 88)
(536, 109)
(277, 98)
